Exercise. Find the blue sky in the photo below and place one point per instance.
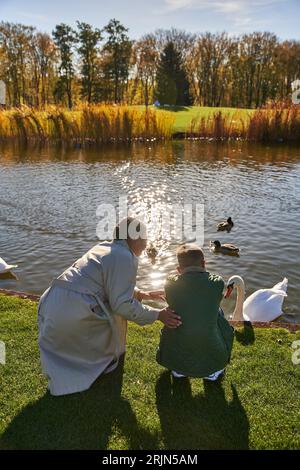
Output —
(234, 16)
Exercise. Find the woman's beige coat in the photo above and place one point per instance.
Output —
(83, 315)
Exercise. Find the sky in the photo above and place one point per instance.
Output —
(281, 17)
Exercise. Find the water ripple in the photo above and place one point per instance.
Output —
(48, 202)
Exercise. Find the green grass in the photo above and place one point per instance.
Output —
(185, 114)
(255, 406)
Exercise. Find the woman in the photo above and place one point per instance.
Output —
(83, 315)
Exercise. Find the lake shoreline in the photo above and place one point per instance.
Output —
(291, 327)
(176, 137)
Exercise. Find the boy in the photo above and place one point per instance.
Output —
(201, 346)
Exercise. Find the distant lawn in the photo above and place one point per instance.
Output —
(256, 406)
(184, 114)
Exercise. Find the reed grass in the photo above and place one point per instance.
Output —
(86, 124)
(102, 124)
(277, 124)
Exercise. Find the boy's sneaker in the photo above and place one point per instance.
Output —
(176, 375)
(214, 376)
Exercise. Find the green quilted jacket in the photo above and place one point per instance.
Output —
(202, 344)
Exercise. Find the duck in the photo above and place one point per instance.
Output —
(6, 268)
(152, 252)
(226, 225)
(264, 305)
(226, 248)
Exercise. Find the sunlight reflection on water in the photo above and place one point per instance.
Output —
(48, 201)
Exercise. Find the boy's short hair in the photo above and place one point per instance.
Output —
(189, 254)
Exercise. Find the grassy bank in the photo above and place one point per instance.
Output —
(255, 406)
(279, 124)
(185, 117)
(109, 124)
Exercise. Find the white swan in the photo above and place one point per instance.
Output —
(264, 305)
(5, 268)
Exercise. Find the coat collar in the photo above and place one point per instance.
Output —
(124, 243)
(191, 269)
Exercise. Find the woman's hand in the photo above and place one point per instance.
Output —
(169, 318)
(150, 295)
(154, 295)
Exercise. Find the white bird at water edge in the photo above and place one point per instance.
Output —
(264, 305)
(5, 268)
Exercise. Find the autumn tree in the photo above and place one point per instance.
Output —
(287, 67)
(43, 61)
(65, 39)
(88, 39)
(15, 47)
(117, 52)
(211, 68)
(145, 59)
(173, 65)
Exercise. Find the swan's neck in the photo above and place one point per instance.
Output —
(238, 311)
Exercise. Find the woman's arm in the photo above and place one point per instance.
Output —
(120, 276)
(167, 316)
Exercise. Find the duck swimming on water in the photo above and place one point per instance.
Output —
(226, 225)
(152, 252)
(225, 249)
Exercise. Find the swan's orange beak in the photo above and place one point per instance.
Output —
(228, 292)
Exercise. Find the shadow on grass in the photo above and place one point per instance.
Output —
(80, 421)
(174, 108)
(200, 422)
(246, 336)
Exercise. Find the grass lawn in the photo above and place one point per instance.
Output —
(184, 114)
(138, 406)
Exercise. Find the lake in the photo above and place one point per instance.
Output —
(49, 197)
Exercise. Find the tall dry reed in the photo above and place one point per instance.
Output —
(276, 124)
(102, 124)
(87, 124)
